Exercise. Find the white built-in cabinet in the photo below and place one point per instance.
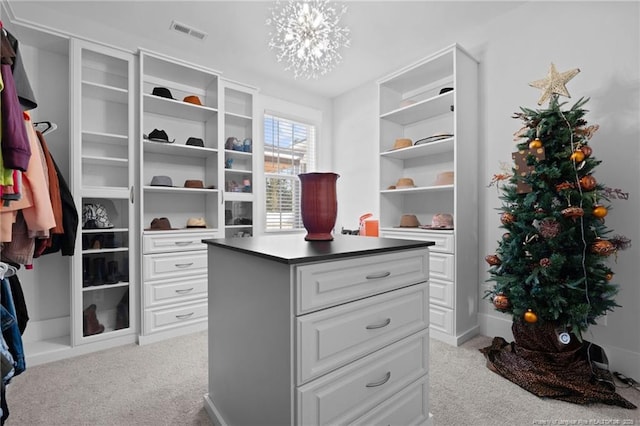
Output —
(174, 269)
(413, 105)
(103, 164)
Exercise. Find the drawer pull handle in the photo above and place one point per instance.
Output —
(378, 275)
(380, 325)
(185, 316)
(184, 290)
(183, 265)
(381, 382)
(183, 243)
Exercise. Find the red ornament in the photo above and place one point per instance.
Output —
(501, 302)
(549, 228)
(493, 260)
(506, 235)
(545, 262)
(588, 183)
(573, 212)
(564, 185)
(507, 218)
(586, 150)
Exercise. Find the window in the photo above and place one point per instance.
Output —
(288, 151)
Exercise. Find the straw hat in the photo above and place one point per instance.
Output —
(444, 178)
(405, 183)
(402, 143)
(409, 221)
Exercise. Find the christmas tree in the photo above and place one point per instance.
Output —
(552, 268)
(551, 264)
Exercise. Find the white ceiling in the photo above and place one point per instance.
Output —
(385, 35)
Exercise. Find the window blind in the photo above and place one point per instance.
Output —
(289, 149)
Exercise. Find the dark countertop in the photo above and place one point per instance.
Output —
(293, 249)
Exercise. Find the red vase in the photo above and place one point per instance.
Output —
(319, 204)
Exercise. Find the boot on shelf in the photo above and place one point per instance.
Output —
(112, 272)
(99, 270)
(97, 242)
(90, 324)
(122, 312)
(86, 274)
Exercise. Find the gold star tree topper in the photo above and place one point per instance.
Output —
(554, 82)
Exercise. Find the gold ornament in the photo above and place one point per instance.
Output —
(573, 212)
(535, 144)
(554, 82)
(609, 276)
(577, 156)
(530, 316)
(507, 218)
(600, 211)
(492, 260)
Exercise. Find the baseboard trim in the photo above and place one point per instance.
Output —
(454, 340)
(213, 412)
(145, 339)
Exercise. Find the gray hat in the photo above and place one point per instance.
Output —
(161, 181)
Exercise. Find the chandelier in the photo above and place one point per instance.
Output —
(307, 36)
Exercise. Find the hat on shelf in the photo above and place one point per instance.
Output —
(445, 90)
(444, 178)
(402, 143)
(159, 136)
(161, 180)
(195, 142)
(192, 99)
(433, 138)
(409, 221)
(94, 216)
(440, 221)
(162, 92)
(160, 224)
(403, 183)
(193, 183)
(196, 222)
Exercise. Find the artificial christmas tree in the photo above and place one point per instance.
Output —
(551, 268)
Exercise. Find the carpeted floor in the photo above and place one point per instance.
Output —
(164, 383)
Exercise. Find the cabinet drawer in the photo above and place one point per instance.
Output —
(441, 319)
(441, 293)
(169, 265)
(408, 407)
(331, 283)
(176, 290)
(334, 337)
(441, 266)
(162, 242)
(443, 239)
(346, 394)
(162, 319)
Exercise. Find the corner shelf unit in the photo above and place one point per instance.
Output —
(413, 105)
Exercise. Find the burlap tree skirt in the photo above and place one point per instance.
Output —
(538, 362)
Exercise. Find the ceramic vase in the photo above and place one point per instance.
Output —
(318, 204)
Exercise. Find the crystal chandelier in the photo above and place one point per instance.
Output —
(307, 36)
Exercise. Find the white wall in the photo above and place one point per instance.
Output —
(600, 38)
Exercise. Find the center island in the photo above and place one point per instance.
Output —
(318, 332)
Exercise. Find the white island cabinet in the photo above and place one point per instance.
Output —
(318, 333)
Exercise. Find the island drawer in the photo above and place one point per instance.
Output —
(330, 283)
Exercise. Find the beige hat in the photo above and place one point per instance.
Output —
(196, 222)
(409, 221)
(405, 183)
(402, 143)
(444, 178)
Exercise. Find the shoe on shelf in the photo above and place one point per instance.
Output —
(112, 273)
(86, 274)
(90, 324)
(99, 270)
(122, 312)
(97, 242)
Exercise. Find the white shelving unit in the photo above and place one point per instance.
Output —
(174, 269)
(238, 122)
(413, 105)
(103, 174)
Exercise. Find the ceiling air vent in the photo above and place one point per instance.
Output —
(185, 29)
